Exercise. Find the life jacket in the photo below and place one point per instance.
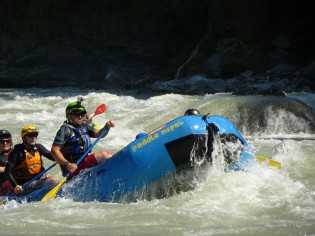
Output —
(78, 143)
(30, 166)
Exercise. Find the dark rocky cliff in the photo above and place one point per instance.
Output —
(141, 44)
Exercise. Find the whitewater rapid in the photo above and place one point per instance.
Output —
(261, 201)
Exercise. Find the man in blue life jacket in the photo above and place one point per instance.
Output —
(5, 149)
(25, 162)
(73, 139)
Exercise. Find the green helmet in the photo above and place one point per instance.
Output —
(74, 106)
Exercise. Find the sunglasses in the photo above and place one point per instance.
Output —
(5, 141)
(78, 113)
(32, 135)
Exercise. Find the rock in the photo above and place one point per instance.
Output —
(112, 80)
(262, 117)
(309, 71)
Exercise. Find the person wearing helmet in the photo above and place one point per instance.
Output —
(192, 112)
(140, 135)
(5, 149)
(87, 119)
(25, 162)
(73, 139)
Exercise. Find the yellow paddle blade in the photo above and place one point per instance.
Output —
(275, 164)
(52, 193)
(2, 202)
(272, 163)
(261, 158)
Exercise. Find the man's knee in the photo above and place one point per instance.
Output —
(106, 154)
(52, 180)
(102, 156)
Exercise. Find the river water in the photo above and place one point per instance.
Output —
(261, 201)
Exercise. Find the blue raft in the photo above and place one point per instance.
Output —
(163, 151)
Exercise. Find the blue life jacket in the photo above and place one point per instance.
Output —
(78, 143)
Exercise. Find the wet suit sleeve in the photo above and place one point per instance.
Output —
(45, 152)
(14, 158)
(62, 136)
(3, 160)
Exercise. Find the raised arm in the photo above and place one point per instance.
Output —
(109, 124)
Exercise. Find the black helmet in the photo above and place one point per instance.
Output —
(5, 134)
(140, 135)
(192, 112)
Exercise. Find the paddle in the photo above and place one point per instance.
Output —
(101, 108)
(272, 163)
(52, 193)
(28, 182)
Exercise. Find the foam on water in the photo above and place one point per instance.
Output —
(259, 201)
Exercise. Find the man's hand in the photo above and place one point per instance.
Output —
(110, 124)
(18, 189)
(71, 167)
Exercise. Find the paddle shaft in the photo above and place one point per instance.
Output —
(30, 181)
(39, 175)
(89, 149)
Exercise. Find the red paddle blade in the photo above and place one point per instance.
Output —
(101, 108)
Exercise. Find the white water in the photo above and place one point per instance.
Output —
(262, 201)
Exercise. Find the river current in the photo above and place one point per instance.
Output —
(261, 201)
